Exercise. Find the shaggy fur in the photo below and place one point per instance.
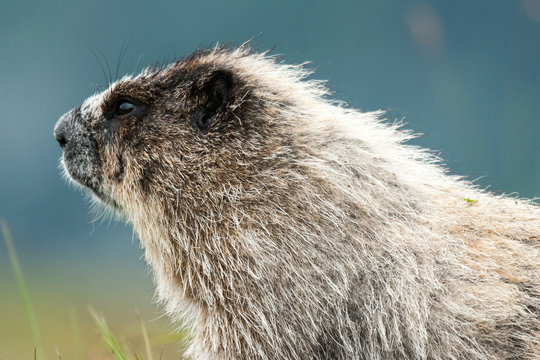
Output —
(283, 225)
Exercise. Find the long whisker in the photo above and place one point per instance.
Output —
(99, 62)
(121, 54)
(108, 67)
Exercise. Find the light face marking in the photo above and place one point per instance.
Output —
(92, 106)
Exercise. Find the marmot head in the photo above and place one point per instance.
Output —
(182, 132)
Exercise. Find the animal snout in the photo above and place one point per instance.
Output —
(61, 130)
(61, 138)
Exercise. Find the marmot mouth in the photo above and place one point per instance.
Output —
(107, 200)
(77, 170)
(91, 184)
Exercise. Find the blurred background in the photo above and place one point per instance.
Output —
(464, 73)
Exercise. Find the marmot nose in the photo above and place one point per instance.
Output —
(61, 138)
(63, 127)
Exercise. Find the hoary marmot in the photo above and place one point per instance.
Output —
(285, 225)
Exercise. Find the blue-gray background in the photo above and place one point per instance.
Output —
(465, 73)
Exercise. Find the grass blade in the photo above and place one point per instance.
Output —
(145, 337)
(21, 284)
(76, 332)
(108, 337)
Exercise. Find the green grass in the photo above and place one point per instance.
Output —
(39, 353)
(76, 332)
(108, 337)
(145, 337)
(72, 334)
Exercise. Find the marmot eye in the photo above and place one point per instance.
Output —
(124, 107)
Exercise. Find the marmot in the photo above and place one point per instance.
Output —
(285, 225)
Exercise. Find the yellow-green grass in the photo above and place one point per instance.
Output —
(51, 317)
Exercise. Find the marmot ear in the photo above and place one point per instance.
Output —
(214, 93)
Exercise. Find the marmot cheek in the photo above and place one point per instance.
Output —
(117, 169)
(81, 166)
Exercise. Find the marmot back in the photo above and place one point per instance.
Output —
(283, 225)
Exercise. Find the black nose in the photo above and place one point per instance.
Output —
(62, 129)
(61, 138)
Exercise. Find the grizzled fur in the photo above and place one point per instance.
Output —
(282, 225)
